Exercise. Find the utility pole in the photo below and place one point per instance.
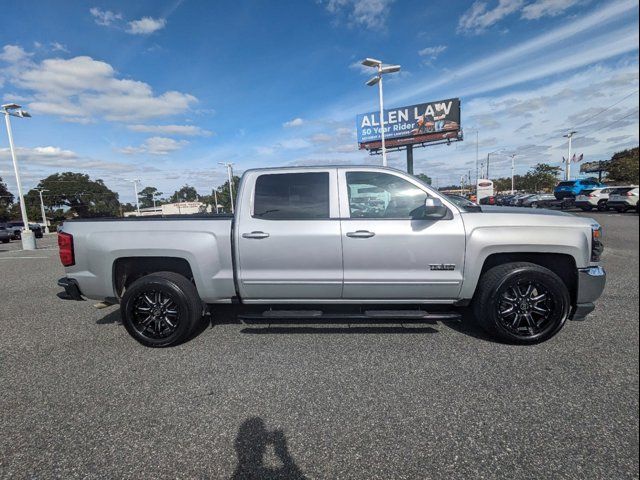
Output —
(230, 175)
(215, 199)
(477, 156)
(567, 175)
(44, 217)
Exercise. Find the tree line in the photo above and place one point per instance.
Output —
(73, 194)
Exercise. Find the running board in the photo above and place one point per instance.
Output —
(272, 316)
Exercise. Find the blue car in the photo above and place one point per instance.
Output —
(573, 188)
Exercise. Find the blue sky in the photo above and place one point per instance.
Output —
(164, 90)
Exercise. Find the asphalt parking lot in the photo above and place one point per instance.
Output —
(79, 398)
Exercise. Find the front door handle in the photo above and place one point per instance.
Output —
(360, 234)
(257, 235)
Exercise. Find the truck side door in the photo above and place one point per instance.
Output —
(389, 252)
(287, 236)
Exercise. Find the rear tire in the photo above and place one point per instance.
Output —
(161, 309)
(521, 303)
(602, 206)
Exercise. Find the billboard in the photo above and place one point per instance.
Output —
(424, 122)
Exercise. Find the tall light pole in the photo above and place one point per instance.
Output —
(135, 182)
(230, 175)
(377, 64)
(567, 174)
(513, 172)
(488, 159)
(27, 237)
(44, 217)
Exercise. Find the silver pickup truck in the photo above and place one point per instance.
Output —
(350, 242)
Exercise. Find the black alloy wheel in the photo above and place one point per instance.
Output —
(161, 309)
(521, 302)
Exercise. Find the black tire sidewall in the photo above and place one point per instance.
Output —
(550, 281)
(164, 285)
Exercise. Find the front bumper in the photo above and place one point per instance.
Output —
(71, 289)
(591, 282)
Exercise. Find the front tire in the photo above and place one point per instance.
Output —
(161, 309)
(522, 303)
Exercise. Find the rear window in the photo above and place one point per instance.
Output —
(566, 184)
(292, 196)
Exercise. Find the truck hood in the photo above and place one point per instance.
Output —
(525, 211)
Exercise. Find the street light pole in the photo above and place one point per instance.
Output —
(26, 236)
(44, 217)
(135, 189)
(381, 70)
(230, 175)
(568, 166)
(513, 172)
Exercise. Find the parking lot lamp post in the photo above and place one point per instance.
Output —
(513, 171)
(230, 175)
(27, 237)
(44, 217)
(381, 70)
(135, 189)
(567, 174)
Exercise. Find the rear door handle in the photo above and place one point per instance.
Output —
(256, 235)
(360, 234)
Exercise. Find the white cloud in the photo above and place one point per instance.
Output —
(58, 47)
(156, 146)
(546, 8)
(366, 13)
(81, 88)
(296, 122)
(294, 143)
(186, 130)
(13, 54)
(104, 17)
(146, 26)
(432, 52)
(478, 18)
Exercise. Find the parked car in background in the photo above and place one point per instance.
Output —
(503, 199)
(623, 199)
(490, 200)
(597, 198)
(16, 229)
(518, 199)
(573, 188)
(5, 234)
(533, 201)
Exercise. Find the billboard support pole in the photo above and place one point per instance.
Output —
(410, 159)
(384, 150)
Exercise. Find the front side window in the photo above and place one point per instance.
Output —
(381, 195)
(292, 196)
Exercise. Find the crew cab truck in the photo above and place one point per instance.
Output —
(304, 241)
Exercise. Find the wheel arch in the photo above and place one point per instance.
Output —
(563, 265)
(127, 270)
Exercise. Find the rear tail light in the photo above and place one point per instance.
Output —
(65, 243)
(629, 194)
(591, 195)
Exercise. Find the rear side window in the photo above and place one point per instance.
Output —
(292, 196)
(587, 192)
(621, 191)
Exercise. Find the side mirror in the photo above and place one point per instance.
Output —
(434, 209)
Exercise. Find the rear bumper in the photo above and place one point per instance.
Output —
(591, 282)
(71, 289)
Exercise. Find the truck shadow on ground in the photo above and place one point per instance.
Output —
(229, 316)
(251, 444)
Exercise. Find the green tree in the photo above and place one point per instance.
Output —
(425, 178)
(223, 194)
(186, 194)
(147, 195)
(6, 199)
(77, 195)
(623, 167)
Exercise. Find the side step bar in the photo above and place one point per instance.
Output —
(272, 316)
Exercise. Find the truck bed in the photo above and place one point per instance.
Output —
(102, 242)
